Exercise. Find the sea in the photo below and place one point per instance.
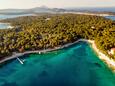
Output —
(77, 65)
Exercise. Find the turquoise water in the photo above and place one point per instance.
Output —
(77, 65)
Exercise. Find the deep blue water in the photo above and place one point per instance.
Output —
(77, 65)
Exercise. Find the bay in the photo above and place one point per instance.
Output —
(77, 65)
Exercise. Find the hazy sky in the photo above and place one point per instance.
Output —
(55, 3)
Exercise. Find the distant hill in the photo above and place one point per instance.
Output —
(42, 9)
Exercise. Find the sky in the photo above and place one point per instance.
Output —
(4, 4)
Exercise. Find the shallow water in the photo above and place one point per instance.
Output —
(77, 65)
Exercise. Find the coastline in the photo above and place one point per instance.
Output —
(93, 14)
(110, 62)
(15, 55)
(103, 57)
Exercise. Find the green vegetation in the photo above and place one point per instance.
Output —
(50, 31)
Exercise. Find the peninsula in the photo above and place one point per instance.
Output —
(34, 34)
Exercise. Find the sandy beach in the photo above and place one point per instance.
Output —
(106, 59)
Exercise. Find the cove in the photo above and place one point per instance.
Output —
(77, 65)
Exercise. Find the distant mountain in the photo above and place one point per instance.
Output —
(42, 9)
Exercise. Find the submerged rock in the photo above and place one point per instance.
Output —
(97, 64)
(43, 74)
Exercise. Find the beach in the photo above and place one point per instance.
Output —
(103, 57)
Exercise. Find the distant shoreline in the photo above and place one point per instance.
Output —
(79, 13)
(106, 59)
(95, 14)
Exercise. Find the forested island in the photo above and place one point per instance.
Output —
(42, 32)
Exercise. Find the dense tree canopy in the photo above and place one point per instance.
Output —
(50, 31)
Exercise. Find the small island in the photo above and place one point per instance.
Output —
(43, 33)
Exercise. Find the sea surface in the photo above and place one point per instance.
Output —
(77, 65)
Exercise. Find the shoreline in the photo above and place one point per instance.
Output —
(93, 14)
(15, 55)
(110, 62)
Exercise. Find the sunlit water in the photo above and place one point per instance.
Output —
(77, 65)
